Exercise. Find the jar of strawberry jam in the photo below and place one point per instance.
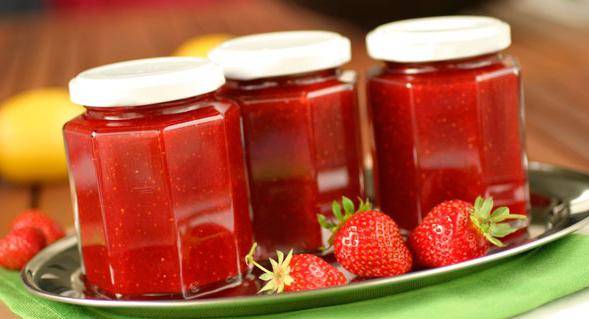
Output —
(302, 139)
(447, 115)
(158, 179)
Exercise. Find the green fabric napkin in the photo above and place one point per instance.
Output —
(510, 288)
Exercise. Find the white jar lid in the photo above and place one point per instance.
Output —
(438, 38)
(147, 81)
(281, 53)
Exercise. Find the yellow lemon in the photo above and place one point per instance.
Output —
(202, 45)
(31, 142)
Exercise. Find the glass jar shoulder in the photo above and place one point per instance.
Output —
(156, 117)
(272, 90)
(445, 73)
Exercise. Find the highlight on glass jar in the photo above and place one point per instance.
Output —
(302, 134)
(447, 115)
(158, 180)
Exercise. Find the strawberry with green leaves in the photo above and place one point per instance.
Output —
(456, 231)
(296, 272)
(367, 242)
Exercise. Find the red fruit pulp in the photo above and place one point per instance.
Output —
(311, 272)
(161, 197)
(19, 246)
(37, 219)
(302, 151)
(447, 236)
(370, 244)
(448, 130)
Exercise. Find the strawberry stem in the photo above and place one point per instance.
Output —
(276, 279)
(341, 218)
(492, 224)
(249, 259)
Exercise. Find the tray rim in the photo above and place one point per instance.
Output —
(65, 243)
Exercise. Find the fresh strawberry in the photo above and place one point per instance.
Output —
(367, 242)
(19, 246)
(455, 231)
(297, 273)
(37, 219)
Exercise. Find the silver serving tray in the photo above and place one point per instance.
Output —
(560, 207)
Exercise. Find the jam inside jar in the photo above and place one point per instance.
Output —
(302, 137)
(448, 129)
(160, 195)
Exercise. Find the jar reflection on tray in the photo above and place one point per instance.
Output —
(447, 115)
(302, 135)
(158, 179)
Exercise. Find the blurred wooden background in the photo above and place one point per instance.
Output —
(49, 48)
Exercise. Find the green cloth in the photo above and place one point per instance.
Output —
(507, 289)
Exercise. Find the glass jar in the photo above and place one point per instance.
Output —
(158, 180)
(447, 115)
(302, 135)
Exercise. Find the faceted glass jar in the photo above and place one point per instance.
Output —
(160, 197)
(302, 141)
(448, 130)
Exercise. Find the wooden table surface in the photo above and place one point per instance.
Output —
(49, 48)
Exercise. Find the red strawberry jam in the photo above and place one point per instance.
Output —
(301, 131)
(158, 179)
(447, 116)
